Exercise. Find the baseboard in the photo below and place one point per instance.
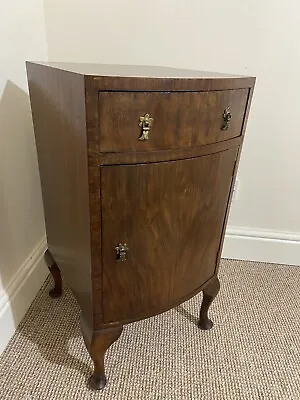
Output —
(21, 291)
(265, 246)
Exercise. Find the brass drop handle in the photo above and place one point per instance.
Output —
(226, 118)
(145, 123)
(121, 252)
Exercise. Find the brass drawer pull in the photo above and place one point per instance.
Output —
(226, 118)
(121, 252)
(145, 123)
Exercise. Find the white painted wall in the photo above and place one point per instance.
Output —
(246, 37)
(22, 37)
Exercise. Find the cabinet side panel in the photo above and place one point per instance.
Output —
(58, 110)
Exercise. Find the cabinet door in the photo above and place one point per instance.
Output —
(170, 215)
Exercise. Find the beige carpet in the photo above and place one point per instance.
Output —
(253, 351)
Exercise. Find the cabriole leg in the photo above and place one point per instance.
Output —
(56, 275)
(100, 342)
(209, 294)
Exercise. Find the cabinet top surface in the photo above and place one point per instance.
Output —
(139, 71)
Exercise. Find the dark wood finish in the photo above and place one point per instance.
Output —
(209, 294)
(58, 111)
(201, 84)
(172, 228)
(101, 341)
(139, 71)
(168, 197)
(56, 275)
(151, 78)
(181, 119)
(165, 155)
(97, 342)
(234, 177)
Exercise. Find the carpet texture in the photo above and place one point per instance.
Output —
(253, 351)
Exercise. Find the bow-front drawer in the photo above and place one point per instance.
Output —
(145, 121)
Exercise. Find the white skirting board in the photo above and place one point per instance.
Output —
(20, 292)
(264, 246)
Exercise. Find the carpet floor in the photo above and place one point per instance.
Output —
(253, 351)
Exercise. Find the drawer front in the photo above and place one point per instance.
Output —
(179, 119)
(160, 235)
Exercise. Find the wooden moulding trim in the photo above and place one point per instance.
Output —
(162, 155)
(115, 83)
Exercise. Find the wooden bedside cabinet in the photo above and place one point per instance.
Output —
(137, 167)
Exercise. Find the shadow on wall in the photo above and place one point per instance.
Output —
(21, 211)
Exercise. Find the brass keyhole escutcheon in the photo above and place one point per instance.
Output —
(121, 252)
(226, 118)
(145, 123)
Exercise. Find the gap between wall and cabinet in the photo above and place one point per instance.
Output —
(21, 291)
